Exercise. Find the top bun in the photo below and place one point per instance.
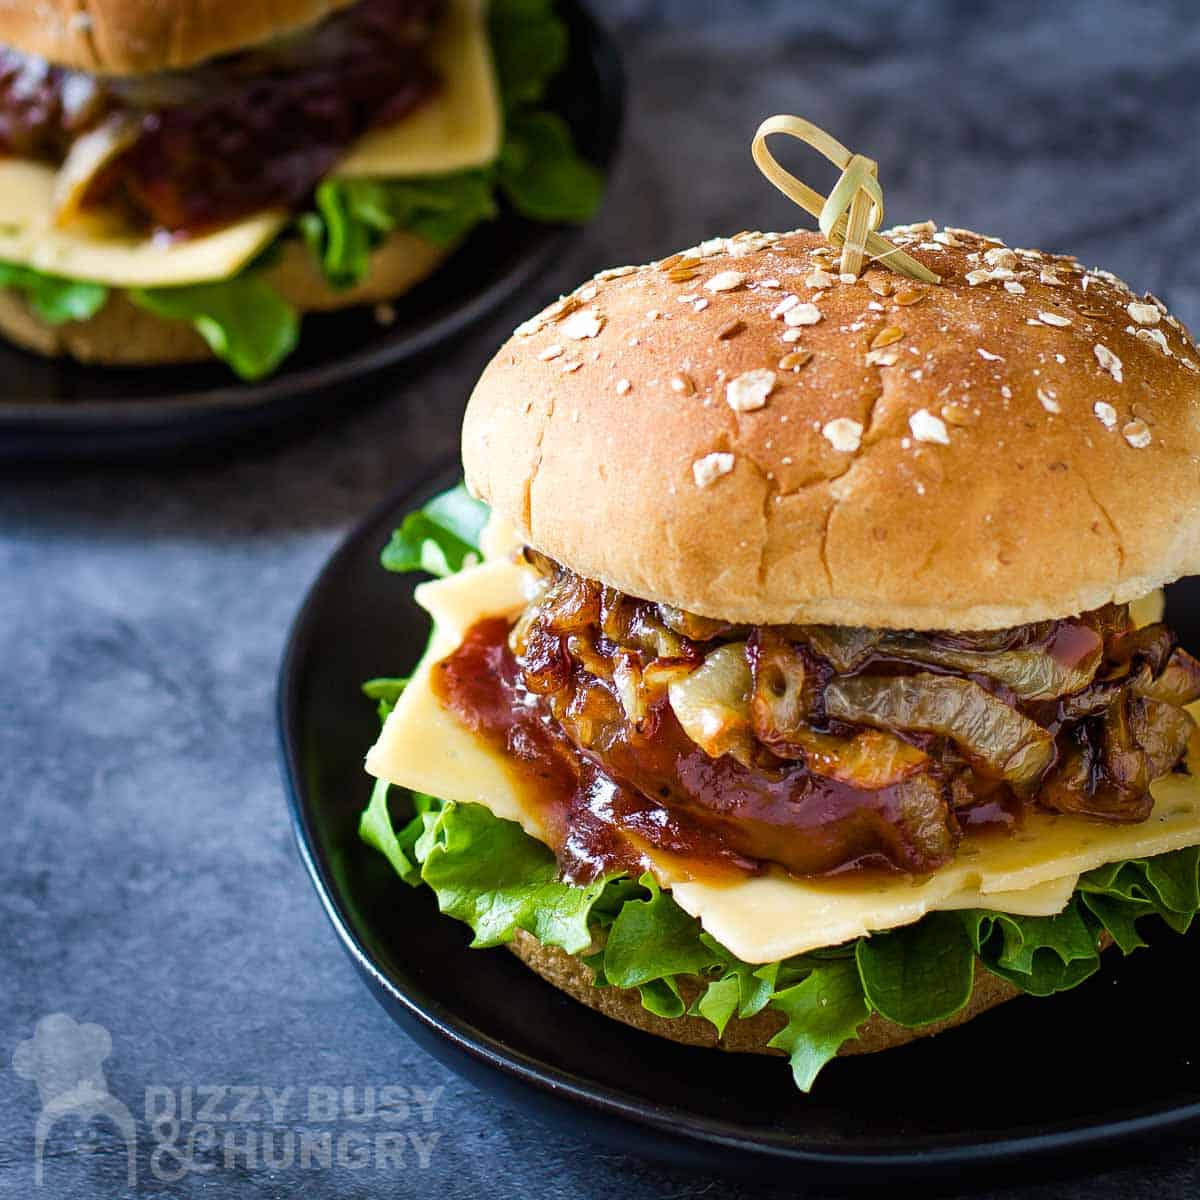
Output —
(131, 37)
(1019, 443)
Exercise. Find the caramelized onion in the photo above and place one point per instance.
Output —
(1151, 645)
(691, 626)
(1177, 683)
(871, 759)
(843, 646)
(1162, 730)
(988, 731)
(87, 158)
(821, 747)
(712, 704)
(1033, 674)
(786, 690)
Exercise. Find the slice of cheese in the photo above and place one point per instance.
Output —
(460, 126)
(424, 746)
(95, 248)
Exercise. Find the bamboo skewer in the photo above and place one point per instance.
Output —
(853, 210)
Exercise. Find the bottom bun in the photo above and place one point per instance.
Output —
(748, 1036)
(122, 334)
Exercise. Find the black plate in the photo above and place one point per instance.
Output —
(1104, 1066)
(57, 408)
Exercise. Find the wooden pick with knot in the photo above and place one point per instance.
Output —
(853, 211)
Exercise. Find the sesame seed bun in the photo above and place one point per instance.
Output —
(750, 1036)
(741, 433)
(122, 334)
(130, 37)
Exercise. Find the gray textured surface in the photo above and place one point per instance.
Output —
(148, 880)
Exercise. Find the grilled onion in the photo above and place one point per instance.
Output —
(785, 692)
(712, 704)
(1033, 673)
(88, 156)
(871, 759)
(1162, 730)
(988, 731)
(1177, 683)
(843, 646)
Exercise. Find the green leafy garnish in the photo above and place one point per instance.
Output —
(376, 829)
(354, 215)
(540, 173)
(440, 538)
(387, 691)
(823, 1013)
(492, 875)
(529, 47)
(245, 322)
(918, 974)
(54, 298)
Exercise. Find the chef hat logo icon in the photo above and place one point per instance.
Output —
(65, 1060)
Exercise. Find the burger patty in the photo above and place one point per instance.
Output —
(819, 748)
(188, 150)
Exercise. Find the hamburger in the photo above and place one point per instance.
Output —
(185, 180)
(798, 681)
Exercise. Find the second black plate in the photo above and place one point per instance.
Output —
(57, 408)
(1105, 1066)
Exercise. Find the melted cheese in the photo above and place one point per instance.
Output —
(460, 126)
(95, 248)
(423, 746)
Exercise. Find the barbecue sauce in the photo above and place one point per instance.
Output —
(718, 818)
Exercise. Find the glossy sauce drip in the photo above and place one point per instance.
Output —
(594, 823)
(718, 817)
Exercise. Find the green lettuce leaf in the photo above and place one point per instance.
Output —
(529, 47)
(376, 829)
(491, 875)
(387, 691)
(718, 1002)
(1040, 955)
(440, 538)
(54, 298)
(823, 1013)
(651, 943)
(541, 174)
(244, 321)
(920, 973)
(354, 215)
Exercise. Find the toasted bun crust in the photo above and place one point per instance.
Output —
(749, 1036)
(130, 37)
(121, 334)
(602, 428)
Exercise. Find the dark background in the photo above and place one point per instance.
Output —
(148, 878)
